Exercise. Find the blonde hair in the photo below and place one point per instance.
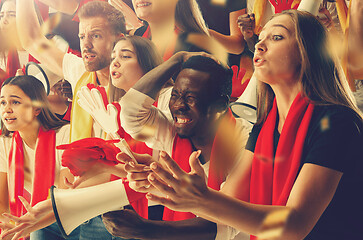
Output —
(189, 18)
(322, 79)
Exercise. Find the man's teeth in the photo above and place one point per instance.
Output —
(143, 4)
(182, 120)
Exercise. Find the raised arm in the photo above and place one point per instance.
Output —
(233, 43)
(33, 41)
(64, 6)
(152, 82)
(355, 39)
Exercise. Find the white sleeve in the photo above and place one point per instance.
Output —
(62, 137)
(225, 232)
(137, 112)
(73, 69)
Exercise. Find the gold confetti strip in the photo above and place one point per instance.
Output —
(146, 132)
(273, 225)
(219, 2)
(48, 26)
(324, 123)
(210, 45)
(37, 104)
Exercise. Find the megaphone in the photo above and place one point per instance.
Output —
(72, 207)
(42, 74)
(246, 105)
(311, 6)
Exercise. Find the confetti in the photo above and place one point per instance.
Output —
(273, 224)
(49, 25)
(37, 104)
(219, 2)
(324, 123)
(146, 133)
(210, 45)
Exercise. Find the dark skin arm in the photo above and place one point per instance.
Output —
(153, 81)
(128, 224)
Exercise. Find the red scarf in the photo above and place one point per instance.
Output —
(182, 148)
(136, 199)
(12, 63)
(44, 170)
(273, 177)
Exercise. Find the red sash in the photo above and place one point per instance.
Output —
(182, 148)
(136, 199)
(12, 63)
(273, 177)
(44, 170)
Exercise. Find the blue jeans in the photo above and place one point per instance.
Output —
(94, 229)
(52, 232)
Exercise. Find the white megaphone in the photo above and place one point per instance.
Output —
(72, 207)
(311, 6)
(246, 105)
(42, 74)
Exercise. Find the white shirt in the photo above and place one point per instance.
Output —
(137, 111)
(62, 137)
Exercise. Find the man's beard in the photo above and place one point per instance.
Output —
(100, 63)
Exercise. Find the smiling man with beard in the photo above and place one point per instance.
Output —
(201, 121)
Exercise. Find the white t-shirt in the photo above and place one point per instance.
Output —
(137, 111)
(73, 69)
(62, 137)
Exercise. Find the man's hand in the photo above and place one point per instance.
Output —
(246, 23)
(126, 224)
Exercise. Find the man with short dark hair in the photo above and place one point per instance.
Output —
(201, 121)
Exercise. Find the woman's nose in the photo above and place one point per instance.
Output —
(260, 46)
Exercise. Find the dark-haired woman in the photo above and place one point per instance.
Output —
(29, 162)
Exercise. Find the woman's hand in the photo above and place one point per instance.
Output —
(97, 169)
(137, 173)
(27, 223)
(185, 191)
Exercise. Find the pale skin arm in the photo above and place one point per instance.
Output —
(355, 39)
(34, 42)
(234, 43)
(187, 191)
(64, 6)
